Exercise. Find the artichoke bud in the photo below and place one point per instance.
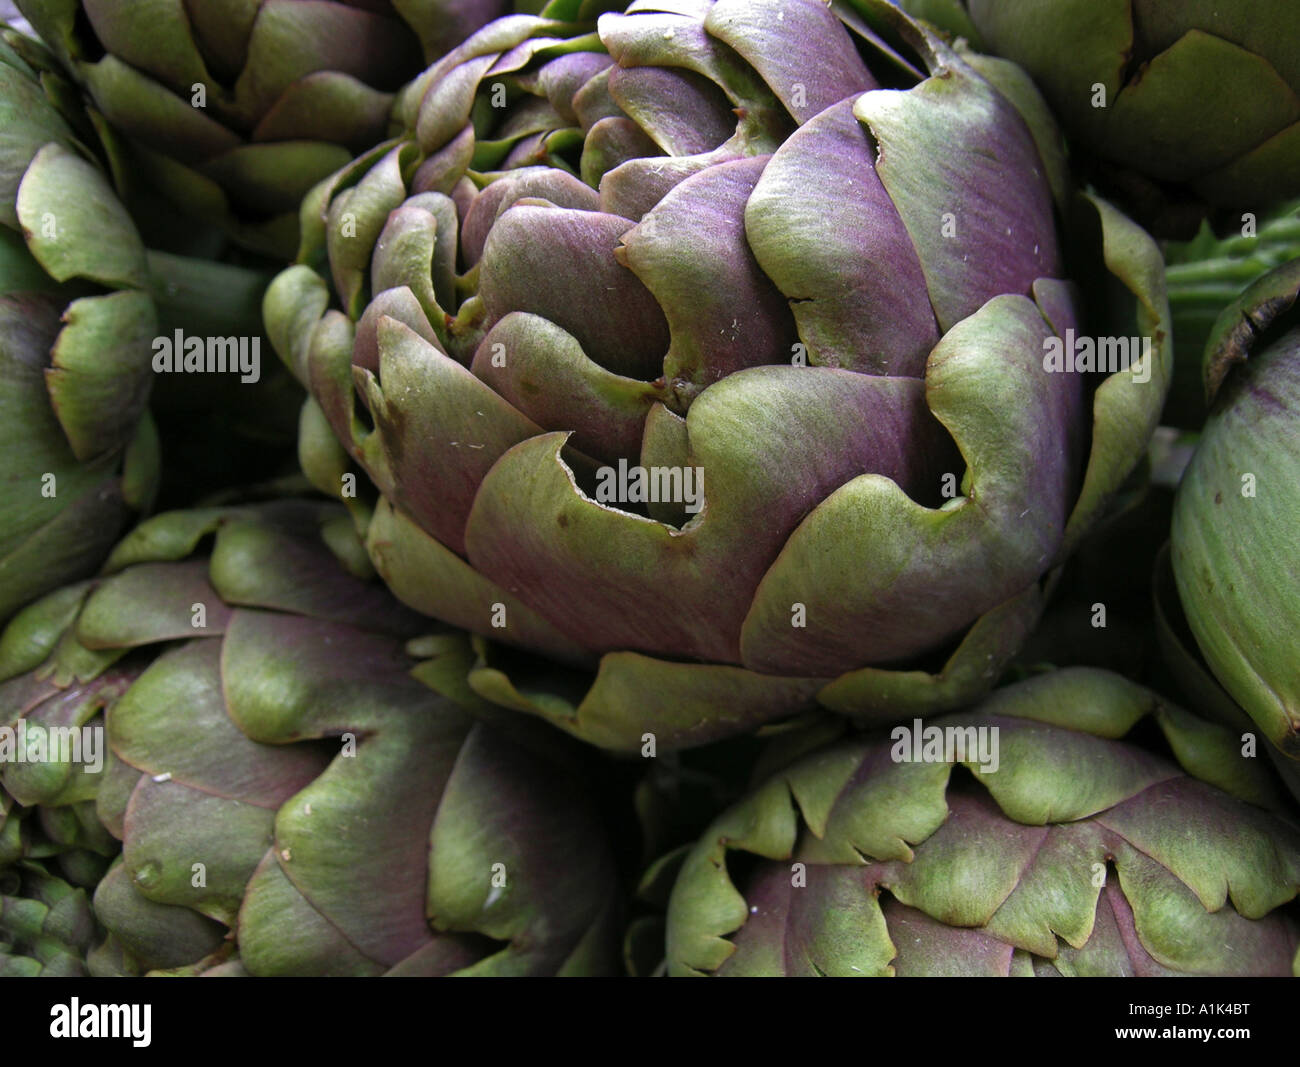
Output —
(1235, 515)
(812, 255)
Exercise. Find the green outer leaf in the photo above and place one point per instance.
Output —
(100, 373)
(874, 695)
(32, 634)
(27, 123)
(635, 697)
(74, 223)
(1125, 411)
(704, 904)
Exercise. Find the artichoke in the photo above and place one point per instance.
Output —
(76, 321)
(47, 927)
(83, 305)
(232, 109)
(1066, 850)
(290, 799)
(1129, 80)
(1232, 544)
(711, 351)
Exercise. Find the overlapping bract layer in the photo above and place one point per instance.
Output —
(1194, 94)
(47, 927)
(290, 800)
(705, 239)
(1078, 854)
(234, 109)
(76, 322)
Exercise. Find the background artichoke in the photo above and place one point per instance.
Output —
(233, 110)
(84, 304)
(76, 321)
(1076, 853)
(47, 927)
(709, 242)
(1182, 103)
(290, 799)
(1236, 514)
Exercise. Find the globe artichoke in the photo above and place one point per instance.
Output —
(76, 321)
(233, 110)
(289, 798)
(1070, 852)
(1129, 81)
(712, 351)
(1235, 516)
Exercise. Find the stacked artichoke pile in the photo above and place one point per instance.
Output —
(716, 423)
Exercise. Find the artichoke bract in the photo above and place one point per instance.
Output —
(1233, 541)
(76, 321)
(1066, 850)
(1180, 100)
(1195, 681)
(290, 799)
(233, 110)
(724, 349)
